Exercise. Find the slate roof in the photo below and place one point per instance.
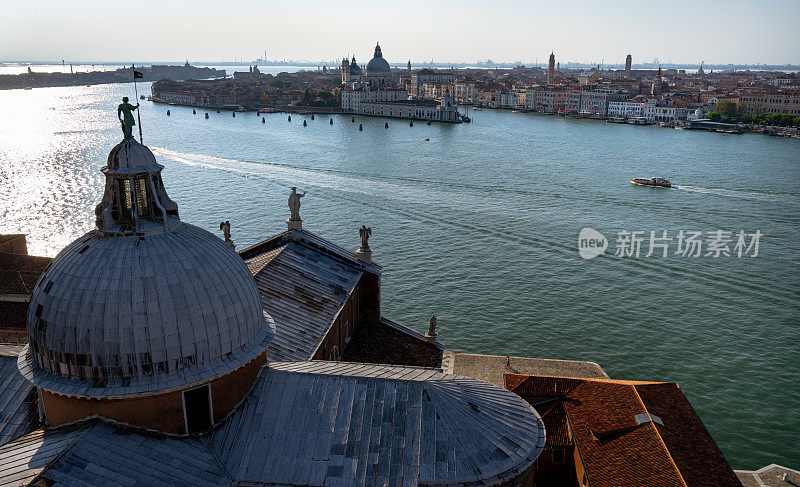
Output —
(329, 423)
(307, 423)
(144, 312)
(18, 409)
(387, 342)
(303, 281)
(616, 448)
(94, 454)
(19, 272)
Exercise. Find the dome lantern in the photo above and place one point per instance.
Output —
(135, 199)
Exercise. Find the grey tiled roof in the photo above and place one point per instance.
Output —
(307, 423)
(302, 288)
(131, 310)
(96, 454)
(18, 410)
(327, 423)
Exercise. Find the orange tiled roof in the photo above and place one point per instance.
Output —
(615, 447)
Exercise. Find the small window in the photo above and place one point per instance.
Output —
(141, 197)
(197, 409)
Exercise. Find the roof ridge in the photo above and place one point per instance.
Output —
(658, 434)
(594, 379)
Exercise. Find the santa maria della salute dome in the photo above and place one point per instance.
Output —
(148, 333)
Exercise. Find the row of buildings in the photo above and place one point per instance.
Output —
(655, 95)
(378, 91)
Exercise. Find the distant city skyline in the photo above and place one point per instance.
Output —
(717, 32)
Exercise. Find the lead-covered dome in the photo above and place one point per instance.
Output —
(377, 64)
(144, 302)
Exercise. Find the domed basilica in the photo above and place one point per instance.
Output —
(378, 73)
(159, 355)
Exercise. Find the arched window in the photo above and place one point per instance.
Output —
(334, 356)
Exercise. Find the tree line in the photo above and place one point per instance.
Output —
(728, 112)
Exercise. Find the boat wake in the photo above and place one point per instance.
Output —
(731, 193)
(315, 178)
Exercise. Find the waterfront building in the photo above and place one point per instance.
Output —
(184, 98)
(595, 103)
(157, 354)
(572, 101)
(768, 101)
(521, 95)
(508, 99)
(443, 110)
(489, 98)
(640, 107)
(546, 100)
(669, 114)
(353, 97)
(466, 92)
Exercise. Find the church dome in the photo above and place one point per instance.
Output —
(144, 302)
(377, 64)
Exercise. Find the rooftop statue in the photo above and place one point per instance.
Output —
(125, 115)
(226, 229)
(364, 232)
(432, 326)
(294, 205)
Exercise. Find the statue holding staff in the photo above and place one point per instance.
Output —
(125, 116)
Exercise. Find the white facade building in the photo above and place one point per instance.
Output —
(636, 107)
(352, 98)
(442, 110)
(670, 114)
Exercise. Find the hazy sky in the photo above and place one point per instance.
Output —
(732, 31)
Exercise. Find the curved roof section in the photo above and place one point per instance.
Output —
(377, 65)
(20, 413)
(141, 313)
(130, 156)
(364, 424)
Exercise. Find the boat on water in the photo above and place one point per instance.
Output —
(660, 182)
(141, 97)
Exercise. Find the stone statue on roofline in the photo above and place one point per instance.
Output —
(294, 205)
(365, 233)
(432, 326)
(226, 232)
(125, 116)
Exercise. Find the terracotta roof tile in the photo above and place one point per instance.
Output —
(616, 448)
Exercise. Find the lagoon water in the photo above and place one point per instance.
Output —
(480, 225)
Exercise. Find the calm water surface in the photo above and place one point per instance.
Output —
(480, 225)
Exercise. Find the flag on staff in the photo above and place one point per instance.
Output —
(137, 74)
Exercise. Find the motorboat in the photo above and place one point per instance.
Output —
(661, 182)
